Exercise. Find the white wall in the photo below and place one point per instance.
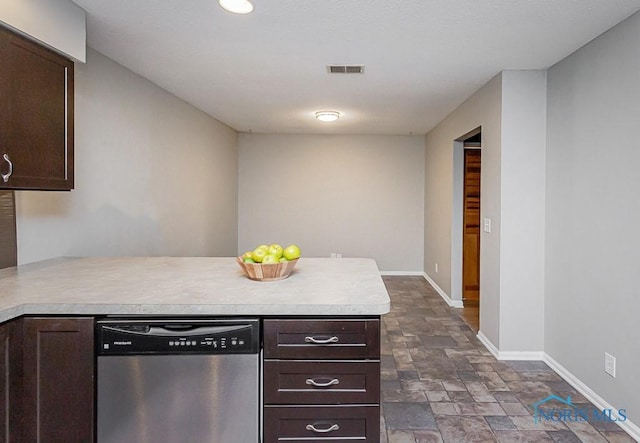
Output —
(522, 196)
(592, 212)
(511, 109)
(153, 176)
(59, 24)
(482, 109)
(361, 196)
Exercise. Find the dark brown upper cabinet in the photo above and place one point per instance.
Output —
(36, 116)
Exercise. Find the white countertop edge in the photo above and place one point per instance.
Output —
(193, 310)
(11, 313)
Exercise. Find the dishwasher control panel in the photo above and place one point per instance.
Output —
(177, 336)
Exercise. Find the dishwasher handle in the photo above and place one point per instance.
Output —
(176, 330)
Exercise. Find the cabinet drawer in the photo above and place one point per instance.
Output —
(319, 339)
(321, 424)
(321, 382)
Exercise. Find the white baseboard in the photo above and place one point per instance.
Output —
(401, 272)
(521, 355)
(487, 344)
(630, 428)
(509, 355)
(445, 297)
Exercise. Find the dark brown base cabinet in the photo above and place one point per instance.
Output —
(321, 380)
(48, 384)
(11, 370)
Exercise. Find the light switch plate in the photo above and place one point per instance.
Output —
(610, 364)
(486, 226)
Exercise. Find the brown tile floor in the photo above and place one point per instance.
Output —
(440, 384)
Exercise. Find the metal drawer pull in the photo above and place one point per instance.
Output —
(5, 177)
(333, 427)
(332, 382)
(317, 341)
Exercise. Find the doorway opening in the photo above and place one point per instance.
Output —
(471, 227)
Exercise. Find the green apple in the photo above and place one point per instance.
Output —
(283, 260)
(248, 260)
(269, 259)
(258, 254)
(247, 255)
(291, 252)
(265, 247)
(276, 249)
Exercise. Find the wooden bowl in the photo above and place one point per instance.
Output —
(269, 272)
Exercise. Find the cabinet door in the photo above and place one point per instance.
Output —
(58, 379)
(11, 371)
(36, 116)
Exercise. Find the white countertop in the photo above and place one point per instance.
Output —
(189, 286)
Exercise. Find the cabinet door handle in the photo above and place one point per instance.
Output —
(312, 382)
(5, 177)
(319, 341)
(333, 427)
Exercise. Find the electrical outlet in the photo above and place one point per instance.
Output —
(610, 364)
(333, 255)
(436, 268)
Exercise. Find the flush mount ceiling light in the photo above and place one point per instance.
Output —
(327, 116)
(237, 6)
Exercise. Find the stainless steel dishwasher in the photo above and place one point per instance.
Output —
(178, 380)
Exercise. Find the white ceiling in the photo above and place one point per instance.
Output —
(266, 71)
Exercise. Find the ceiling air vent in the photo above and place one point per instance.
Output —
(345, 69)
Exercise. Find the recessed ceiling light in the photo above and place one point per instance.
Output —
(327, 116)
(237, 6)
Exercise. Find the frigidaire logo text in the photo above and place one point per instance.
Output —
(569, 412)
(122, 343)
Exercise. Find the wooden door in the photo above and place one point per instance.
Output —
(471, 228)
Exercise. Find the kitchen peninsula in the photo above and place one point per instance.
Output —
(48, 311)
(189, 286)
